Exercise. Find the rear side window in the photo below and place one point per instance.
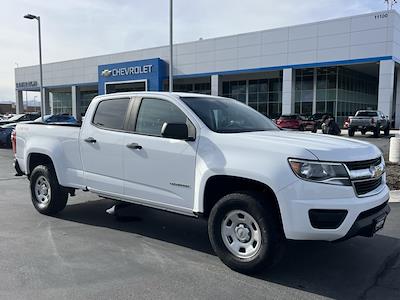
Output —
(367, 114)
(153, 113)
(111, 113)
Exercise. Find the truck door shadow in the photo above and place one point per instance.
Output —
(342, 270)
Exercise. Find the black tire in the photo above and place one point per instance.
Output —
(301, 128)
(17, 168)
(351, 131)
(363, 132)
(377, 132)
(57, 196)
(271, 245)
(8, 142)
(387, 131)
(315, 129)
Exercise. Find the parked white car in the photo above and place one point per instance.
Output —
(211, 157)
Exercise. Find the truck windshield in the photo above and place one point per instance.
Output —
(225, 115)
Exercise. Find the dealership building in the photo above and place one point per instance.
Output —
(336, 66)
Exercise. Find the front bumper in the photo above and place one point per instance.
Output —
(298, 199)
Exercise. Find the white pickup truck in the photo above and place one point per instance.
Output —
(210, 157)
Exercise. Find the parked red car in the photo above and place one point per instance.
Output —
(296, 122)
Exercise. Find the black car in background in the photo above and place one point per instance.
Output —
(20, 118)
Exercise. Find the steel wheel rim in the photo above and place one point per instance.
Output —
(241, 234)
(42, 190)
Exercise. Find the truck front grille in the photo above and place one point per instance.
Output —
(366, 186)
(364, 164)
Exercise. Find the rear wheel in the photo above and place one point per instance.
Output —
(301, 128)
(48, 196)
(363, 132)
(351, 131)
(245, 232)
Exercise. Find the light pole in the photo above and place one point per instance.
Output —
(171, 51)
(31, 17)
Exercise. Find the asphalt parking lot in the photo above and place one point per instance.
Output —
(86, 254)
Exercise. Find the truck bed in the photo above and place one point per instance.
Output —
(59, 141)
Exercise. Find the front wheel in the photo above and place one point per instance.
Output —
(48, 196)
(245, 232)
(351, 131)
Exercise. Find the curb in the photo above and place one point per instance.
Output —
(395, 196)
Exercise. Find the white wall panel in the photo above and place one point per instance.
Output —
(249, 51)
(302, 57)
(334, 41)
(303, 31)
(205, 45)
(333, 54)
(367, 22)
(226, 65)
(274, 48)
(303, 45)
(226, 54)
(373, 50)
(205, 57)
(226, 42)
(334, 27)
(249, 39)
(275, 35)
(205, 67)
(249, 63)
(369, 36)
(274, 60)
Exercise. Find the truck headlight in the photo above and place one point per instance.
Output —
(323, 172)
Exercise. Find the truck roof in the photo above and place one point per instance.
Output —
(179, 94)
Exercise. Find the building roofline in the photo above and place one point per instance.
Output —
(212, 38)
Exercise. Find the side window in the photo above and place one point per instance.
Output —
(153, 113)
(111, 113)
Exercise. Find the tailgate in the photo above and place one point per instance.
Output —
(360, 121)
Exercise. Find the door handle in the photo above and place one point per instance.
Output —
(90, 140)
(134, 146)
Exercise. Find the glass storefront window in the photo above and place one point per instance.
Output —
(86, 98)
(62, 102)
(264, 95)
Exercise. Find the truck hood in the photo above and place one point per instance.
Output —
(324, 147)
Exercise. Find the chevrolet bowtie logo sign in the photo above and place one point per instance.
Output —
(126, 71)
(106, 73)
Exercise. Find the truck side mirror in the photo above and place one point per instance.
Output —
(177, 131)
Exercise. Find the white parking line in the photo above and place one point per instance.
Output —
(395, 196)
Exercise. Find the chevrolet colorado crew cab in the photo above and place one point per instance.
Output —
(215, 158)
(369, 120)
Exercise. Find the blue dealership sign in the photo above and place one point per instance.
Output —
(153, 71)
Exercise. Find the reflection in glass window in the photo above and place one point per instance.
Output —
(153, 113)
(111, 113)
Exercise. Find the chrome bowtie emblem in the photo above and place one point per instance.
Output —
(376, 171)
(106, 73)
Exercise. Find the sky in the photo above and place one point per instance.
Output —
(81, 28)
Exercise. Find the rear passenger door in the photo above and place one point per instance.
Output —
(102, 145)
(160, 172)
